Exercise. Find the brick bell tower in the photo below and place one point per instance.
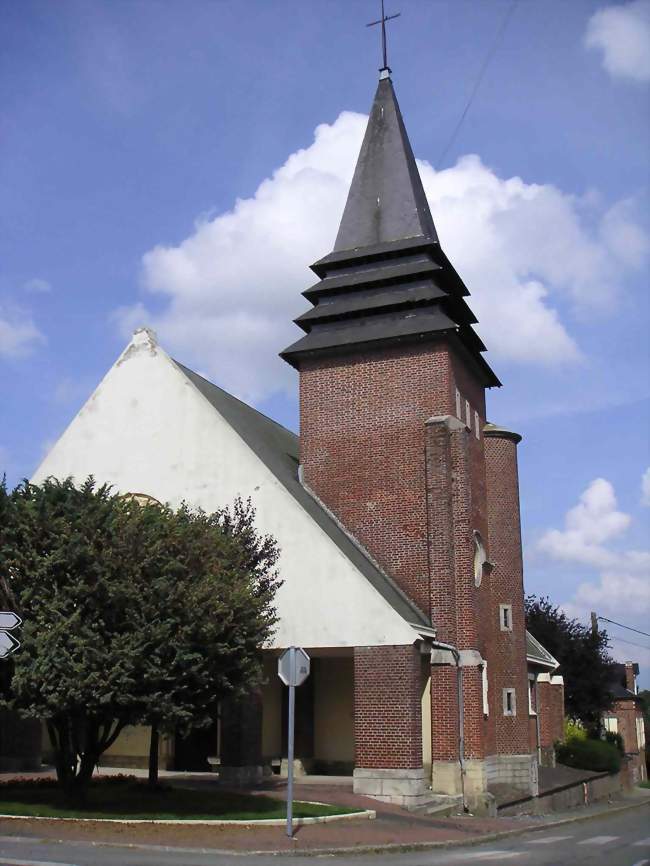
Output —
(392, 441)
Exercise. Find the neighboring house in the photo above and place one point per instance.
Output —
(396, 511)
(625, 717)
(545, 701)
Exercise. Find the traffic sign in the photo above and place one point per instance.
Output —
(9, 620)
(293, 670)
(293, 666)
(8, 643)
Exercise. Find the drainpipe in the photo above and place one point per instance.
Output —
(461, 715)
(538, 724)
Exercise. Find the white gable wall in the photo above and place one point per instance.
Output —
(147, 429)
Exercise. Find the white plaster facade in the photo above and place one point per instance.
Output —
(148, 429)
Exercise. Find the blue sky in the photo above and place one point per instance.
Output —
(159, 165)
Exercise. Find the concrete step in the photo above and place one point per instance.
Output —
(439, 805)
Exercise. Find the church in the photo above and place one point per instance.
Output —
(396, 510)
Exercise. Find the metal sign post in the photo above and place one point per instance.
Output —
(8, 643)
(293, 670)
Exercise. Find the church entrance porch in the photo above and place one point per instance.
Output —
(324, 733)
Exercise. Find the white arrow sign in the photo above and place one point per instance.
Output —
(9, 620)
(8, 643)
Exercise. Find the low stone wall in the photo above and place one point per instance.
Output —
(516, 771)
(400, 786)
(603, 787)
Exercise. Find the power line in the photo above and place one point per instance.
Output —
(483, 70)
(631, 643)
(620, 625)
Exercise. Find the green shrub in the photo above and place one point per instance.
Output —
(587, 754)
(615, 740)
(573, 730)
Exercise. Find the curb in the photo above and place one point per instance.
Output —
(394, 847)
(367, 814)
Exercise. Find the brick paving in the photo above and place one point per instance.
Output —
(393, 826)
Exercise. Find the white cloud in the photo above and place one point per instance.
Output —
(593, 521)
(622, 33)
(19, 336)
(621, 588)
(37, 286)
(645, 488)
(231, 289)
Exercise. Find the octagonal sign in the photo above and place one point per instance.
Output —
(293, 666)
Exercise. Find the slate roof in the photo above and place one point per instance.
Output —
(536, 654)
(277, 448)
(618, 687)
(387, 280)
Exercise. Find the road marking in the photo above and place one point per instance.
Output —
(598, 840)
(494, 855)
(641, 863)
(547, 840)
(5, 862)
(641, 842)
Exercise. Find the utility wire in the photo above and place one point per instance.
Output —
(483, 70)
(620, 625)
(631, 643)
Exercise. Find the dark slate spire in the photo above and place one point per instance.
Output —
(386, 201)
(387, 279)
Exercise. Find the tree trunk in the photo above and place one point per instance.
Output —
(153, 755)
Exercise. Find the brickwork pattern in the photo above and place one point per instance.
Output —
(506, 649)
(388, 686)
(362, 446)
(412, 493)
(550, 698)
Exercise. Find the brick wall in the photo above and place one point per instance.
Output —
(506, 649)
(362, 441)
(550, 698)
(388, 686)
(627, 713)
(411, 493)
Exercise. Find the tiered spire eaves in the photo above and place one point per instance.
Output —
(387, 279)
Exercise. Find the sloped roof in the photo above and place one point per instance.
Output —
(386, 200)
(536, 654)
(277, 448)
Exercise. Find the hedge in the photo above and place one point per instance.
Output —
(596, 755)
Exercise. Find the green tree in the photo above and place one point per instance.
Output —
(584, 660)
(204, 608)
(127, 610)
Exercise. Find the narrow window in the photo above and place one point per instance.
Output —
(505, 617)
(509, 702)
(468, 414)
(484, 683)
(477, 425)
(532, 702)
(480, 558)
(458, 404)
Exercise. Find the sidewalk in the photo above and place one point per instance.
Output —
(393, 827)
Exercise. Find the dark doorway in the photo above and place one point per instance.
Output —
(191, 753)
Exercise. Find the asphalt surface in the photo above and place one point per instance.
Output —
(621, 839)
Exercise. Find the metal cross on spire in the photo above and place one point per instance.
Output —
(384, 18)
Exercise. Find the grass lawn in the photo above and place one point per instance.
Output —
(644, 784)
(134, 800)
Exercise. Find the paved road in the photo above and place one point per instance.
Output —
(617, 840)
